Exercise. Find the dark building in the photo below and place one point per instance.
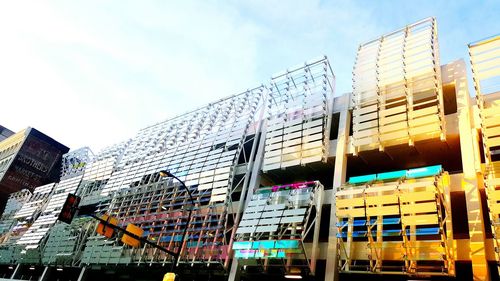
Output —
(28, 159)
(5, 133)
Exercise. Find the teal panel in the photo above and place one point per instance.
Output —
(362, 179)
(242, 245)
(391, 175)
(281, 255)
(265, 244)
(424, 172)
(244, 254)
(287, 244)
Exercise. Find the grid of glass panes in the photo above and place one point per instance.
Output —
(397, 95)
(297, 125)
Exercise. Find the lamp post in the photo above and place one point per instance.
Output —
(165, 173)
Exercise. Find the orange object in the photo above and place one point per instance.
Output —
(132, 241)
(104, 230)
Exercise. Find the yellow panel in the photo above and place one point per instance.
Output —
(491, 121)
(494, 182)
(353, 213)
(382, 211)
(419, 219)
(495, 131)
(490, 111)
(425, 129)
(352, 202)
(494, 208)
(417, 196)
(419, 208)
(401, 134)
(381, 199)
(493, 141)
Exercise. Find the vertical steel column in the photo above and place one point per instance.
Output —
(83, 274)
(339, 176)
(317, 223)
(252, 177)
(46, 274)
(16, 271)
(470, 183)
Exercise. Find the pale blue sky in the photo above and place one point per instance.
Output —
(92, 73)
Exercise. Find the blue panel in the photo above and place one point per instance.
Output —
(359, 223)
(242, 245)
(424, 172)
(386, 221)
(391, 175)
(362, 179)
(287, 244)
(360, 233)
(425, 231)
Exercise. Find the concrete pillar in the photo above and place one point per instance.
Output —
(331, 272)
(471, 182)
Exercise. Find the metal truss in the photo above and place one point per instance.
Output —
(10, 251)
(276, 222)
(298, 125)
(397, 93)
(203, 148)
(485, 64)
(396, 223)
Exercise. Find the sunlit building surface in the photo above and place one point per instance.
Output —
(398, 180)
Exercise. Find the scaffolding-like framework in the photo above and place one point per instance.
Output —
(396, 223)
(485, 64)
(397, 95)
(14, 204)
(298, 125)
(202, 148)
(10, 251)
(276, 222)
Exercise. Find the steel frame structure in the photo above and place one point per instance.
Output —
(276, 222)
(298, 123)
(397, 95)
(396, 223)
(485, 64)
(203, 149)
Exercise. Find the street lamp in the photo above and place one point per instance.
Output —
(165, 173)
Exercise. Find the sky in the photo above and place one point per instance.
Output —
(92, 73)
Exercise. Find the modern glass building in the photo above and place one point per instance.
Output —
(395, 181)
